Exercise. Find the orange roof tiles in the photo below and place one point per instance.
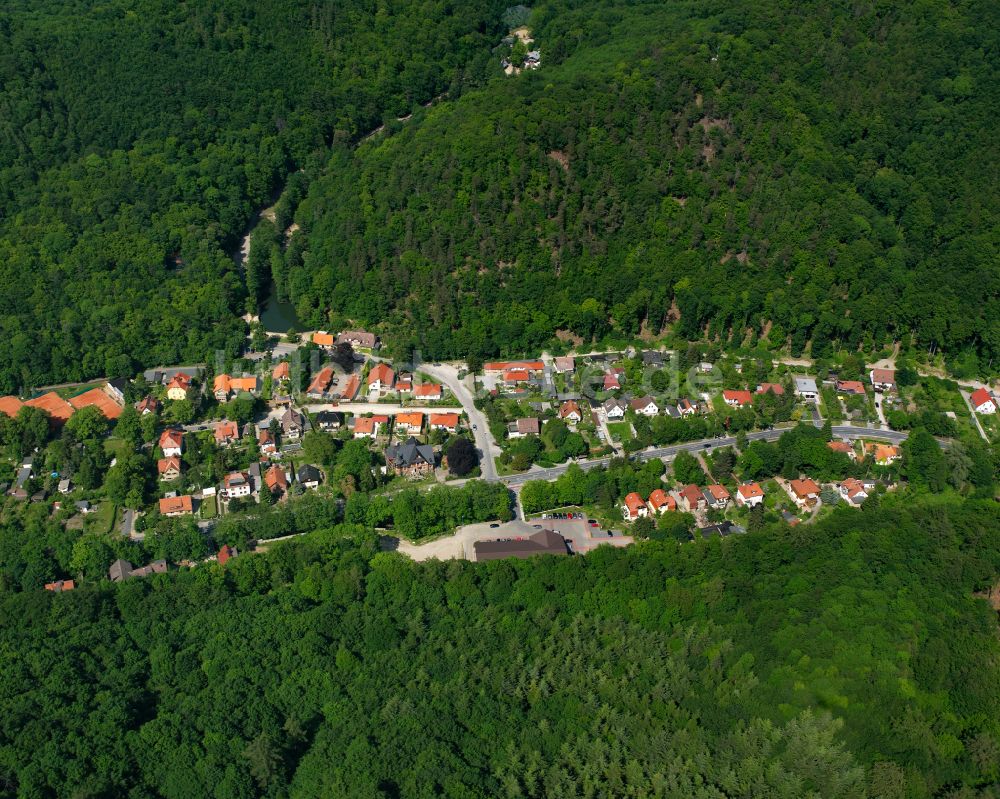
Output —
(412, 420)
(351, 387)
(381, 373)
(282, 371)
(449, 420)
(321, 381)
(428, 390)
(719, 492)
(804, 488)
(323, 339)
(275, 478)
(738, 397)
(164, 465)
(750, 490)
(170, 439)
(634, 503)
(176, 505)
(660, 498)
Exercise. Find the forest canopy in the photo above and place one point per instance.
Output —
(805, 173)
(848, 658)
(137, 139)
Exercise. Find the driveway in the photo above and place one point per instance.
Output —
(128, 525)
(975, 417)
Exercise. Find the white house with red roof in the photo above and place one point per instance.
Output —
(634, 507)
(736, 399)
(749, 494)
(661, 502)
(983, 402)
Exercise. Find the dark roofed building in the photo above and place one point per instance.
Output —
(329, 420)
(544, 542)
(120, 570)
(309, 476)
(411, 458)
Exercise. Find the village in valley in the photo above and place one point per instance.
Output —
(590, 449)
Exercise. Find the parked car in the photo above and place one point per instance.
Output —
(494, 525)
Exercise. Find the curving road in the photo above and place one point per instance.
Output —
(465, 393)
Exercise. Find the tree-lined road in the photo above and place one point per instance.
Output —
(839, 431)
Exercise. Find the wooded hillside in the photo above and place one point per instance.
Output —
(137, 139)
(809, 171)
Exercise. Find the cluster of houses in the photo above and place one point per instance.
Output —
(405, 422)
(690, 498)
(615, 409)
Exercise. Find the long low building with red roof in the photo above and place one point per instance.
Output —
(505, 366)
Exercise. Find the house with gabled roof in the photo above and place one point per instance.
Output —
(634, 507)
(148, 404)
(717, 496)
(410, 459)
(645, 406)
(292, 424)
(369, 426)
(749, 494)
(883, 379)
(178, 386)
(381, 378)
(661, 502)
(983, 402)
(564, 364)
(282, 371)
(528, 426)
(570, 411)
(692, 498)
(411, 422)
(615, 408)
(226, 432)
(266, 443)
(428, 392)
(844, 448)
(320, 383)
(851, 388)
(445, 421)
(736, 398)
(236, 484)
(171, 442)
(855, 491)
(771, 388)
(687, 408)
(176, 506)
(169, 468)
(275, 479)
(360, 339)
(804, 492)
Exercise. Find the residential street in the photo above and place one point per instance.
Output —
(839, 431)
(464, 392)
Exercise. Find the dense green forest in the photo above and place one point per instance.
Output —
(844, 659)
(137, 137)
(795, 171)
